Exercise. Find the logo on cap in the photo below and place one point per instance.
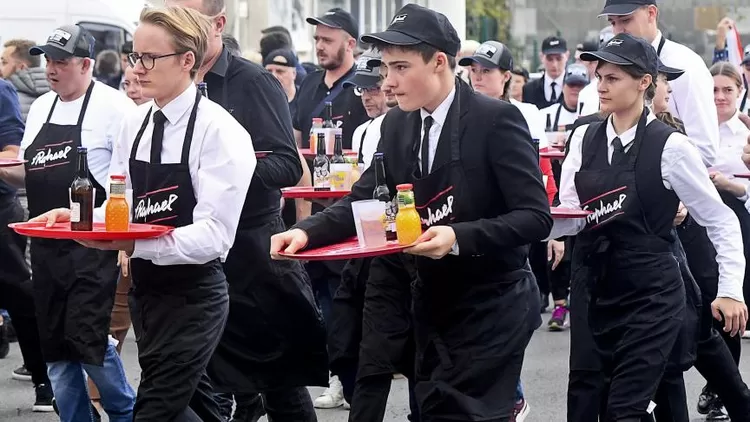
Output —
(554, 43)
(280, 59)
(330, 13)
(60, 37)
(362, 64)
(399, 18)
(487, 50)
(614, 42)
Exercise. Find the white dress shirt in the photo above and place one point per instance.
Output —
(534, 120)
(589, 96)
(438, 121)
(683, 172)
(567, 117)
(733, 136)
(548, 86)
(371, 132)
(100, 127)
(221, 162)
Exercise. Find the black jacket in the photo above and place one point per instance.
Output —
(533, 92)
(502, 171)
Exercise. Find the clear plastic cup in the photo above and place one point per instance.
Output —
(368, 220)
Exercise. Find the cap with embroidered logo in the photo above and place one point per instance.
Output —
(337, 18)
(624, 7)
(576, 74)
(554, 45)
(626, 50)
(413, 25)
(367, 74)
(66, 41)
(491, 54)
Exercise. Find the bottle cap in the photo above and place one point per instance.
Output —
(82, 149)
(119, 177)
(405, 186)
(317, 119)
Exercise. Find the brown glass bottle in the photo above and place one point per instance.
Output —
(82, 196)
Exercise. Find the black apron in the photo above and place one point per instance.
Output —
(178, 311)
(471, 322)
(275, 337)
(637, 296)
(74, 286)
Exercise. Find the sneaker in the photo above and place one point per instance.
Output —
(4, 342)
(559, 319)
(44, 399)
(22, 374)
(332, 397)
(717, 412)
(520, 411)
(706, 401)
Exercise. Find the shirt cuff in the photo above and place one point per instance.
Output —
(454, 248)
(744, 197)
(730, 290)
(146, 249)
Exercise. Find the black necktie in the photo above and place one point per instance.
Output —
(157, 137)
(618, 155)
(426, 146)
(553, 97)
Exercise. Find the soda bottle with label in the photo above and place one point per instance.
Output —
(82, 196)
(321, 166)
(382, 193)
(408, 222)
(117, 213)
(317, 127)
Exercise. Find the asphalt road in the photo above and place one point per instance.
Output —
(544, 377)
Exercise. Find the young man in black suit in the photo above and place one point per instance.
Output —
(471, 158)
(547, 90)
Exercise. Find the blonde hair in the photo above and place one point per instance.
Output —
(729, 70)
(189, 30)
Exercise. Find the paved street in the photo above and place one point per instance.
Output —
(544, 377)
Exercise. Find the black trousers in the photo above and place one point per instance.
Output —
(288, 405)
(539, 266)
(16, 289)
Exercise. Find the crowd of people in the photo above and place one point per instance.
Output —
(650, 284)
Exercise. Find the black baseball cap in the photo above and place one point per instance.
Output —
(491, 54)
(589, 46)
(576, 74)
(626, 50)
(67, 41)
(367, 74)
(670, 72)
(624, 7)
(275, 28)
(281, 57)
(337, 18)
(554, 45)
(414, 24)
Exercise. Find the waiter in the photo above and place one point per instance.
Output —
(274, 342)
(475, 289)
(624, 249)
(194, 155)
(78, 112)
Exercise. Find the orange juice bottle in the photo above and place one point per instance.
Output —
(408, 222)
(117, 215)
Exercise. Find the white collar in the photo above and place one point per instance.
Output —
(657, 40)
(734, 124)
(175, 109)
(629, 135)
(441, 112)
(558, 81)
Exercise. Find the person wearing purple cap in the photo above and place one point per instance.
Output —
(482, 202)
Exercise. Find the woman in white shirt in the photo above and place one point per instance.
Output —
(189, 164)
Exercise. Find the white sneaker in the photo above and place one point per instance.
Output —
(746, 334)
(332, 397)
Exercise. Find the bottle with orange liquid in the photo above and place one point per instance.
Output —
(117, 214)
(408, 222)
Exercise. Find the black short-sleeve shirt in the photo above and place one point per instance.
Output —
(347, 106)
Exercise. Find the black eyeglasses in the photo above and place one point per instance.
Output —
(147, 60)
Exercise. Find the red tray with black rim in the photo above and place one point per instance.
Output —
(309, 192)
(309, 154)
(552, 154)
(348, 249)
(560, 213)
(11, 162)
(62, 231)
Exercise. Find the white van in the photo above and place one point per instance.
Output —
(111, 22)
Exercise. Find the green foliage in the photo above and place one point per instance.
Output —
(488, 19)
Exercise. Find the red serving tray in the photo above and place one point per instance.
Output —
(742, 176)
(62, 231)
(558, 212)
(309, 154)
(309, 192)
(11, 162)
(348, 249)
(555, 155)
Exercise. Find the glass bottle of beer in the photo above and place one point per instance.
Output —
(548, 126)
(203, 88)
(82, 196)
(382, 193)
(329, 128)
(321, 166)
(338, 150)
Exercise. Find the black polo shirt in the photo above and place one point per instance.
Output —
(255, 98)
(347, 106)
